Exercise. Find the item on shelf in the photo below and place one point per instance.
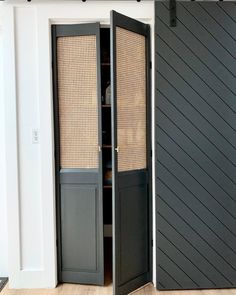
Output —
(105, 55)
(108, 177)
(108, 164)
(108, 94)
(105, 136)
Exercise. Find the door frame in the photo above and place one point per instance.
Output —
(150, 128)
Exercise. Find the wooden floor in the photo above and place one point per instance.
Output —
(70, 289)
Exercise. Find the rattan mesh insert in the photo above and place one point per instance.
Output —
(78, 105)
(131, 100)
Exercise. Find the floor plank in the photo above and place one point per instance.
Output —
(73, 289)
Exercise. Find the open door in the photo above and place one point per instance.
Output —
(77, 113)
(131, 153)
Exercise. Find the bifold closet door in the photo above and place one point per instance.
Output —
(131, 153)
(77, 101)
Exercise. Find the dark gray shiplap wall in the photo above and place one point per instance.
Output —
(196, 145)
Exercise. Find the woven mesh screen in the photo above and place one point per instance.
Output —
(78, 107)
(131, 100)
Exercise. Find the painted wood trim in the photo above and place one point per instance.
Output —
(47, 150)
(11, 139)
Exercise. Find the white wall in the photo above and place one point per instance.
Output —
(28, 105)
(3, 206)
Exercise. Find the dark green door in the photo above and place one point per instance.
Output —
(130, 122)
(196, 145)
(77, 102)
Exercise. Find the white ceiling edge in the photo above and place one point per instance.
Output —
(93, 1)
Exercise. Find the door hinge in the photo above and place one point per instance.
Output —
(172, 9)
(117, 149)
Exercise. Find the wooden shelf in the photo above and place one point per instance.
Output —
(107, 146)
(105, 64)
(106, 105)
(107, 186)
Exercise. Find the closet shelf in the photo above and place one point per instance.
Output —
(107, 146)
(106, 105)
(107, 186)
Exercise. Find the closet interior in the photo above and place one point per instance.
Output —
(106, 150)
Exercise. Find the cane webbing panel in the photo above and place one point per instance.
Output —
(78, 104)
(131, 100)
